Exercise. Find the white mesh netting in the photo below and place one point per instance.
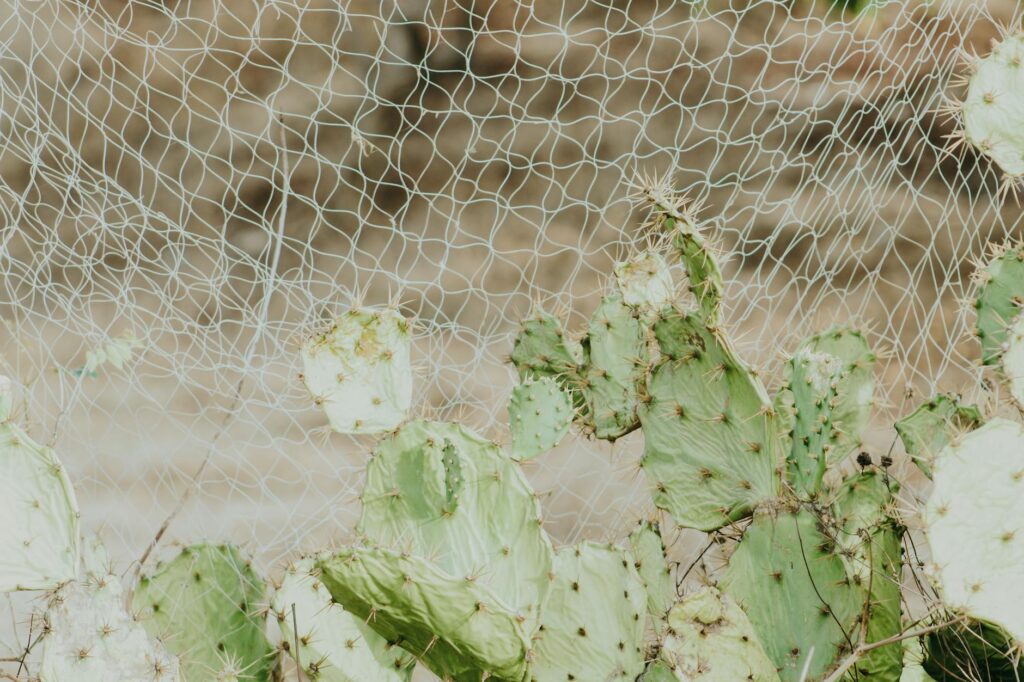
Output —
(218, 178)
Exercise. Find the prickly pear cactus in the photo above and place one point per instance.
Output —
(457, 627)
(999, 300)
(993, 111)
(593, 621)
(972, 650)
(933, 426)
(710, 441)
(540, 413)
(831, 380)
(359, 371)
(440, 492)
(869, 541)
(91, 638)
(208, 606)
(670, 215)
(645, 281)
(711, 639)
(331, 644)
(975, 510)
(39, 540)
(811, 394)
(649, 557)
(617, 368)
(788, 577)
(542, 349)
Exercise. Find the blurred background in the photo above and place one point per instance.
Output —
(194, 186)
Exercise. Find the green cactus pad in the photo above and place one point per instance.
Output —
(440, 492)
(359, 371)
(701, 265)
(710, 437)
(790, 581)
(971, 651)
(855, 387)
(999, 301)
(331, 644)
(458, 628)
(39, 540)
(207, 606)
(813, 380)
(870, 543)
(993, 111)
(645, 281)
(933, 426)
(713, 640)
(649, 554)
(540, 413)
(89, 616)
(593, 621)
(976, 509)
(542, 349)
(617, 368)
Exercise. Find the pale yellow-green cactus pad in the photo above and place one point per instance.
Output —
(92, 638)
(331, 644)
(592, 624)
(993, 111)
(458, 628)
(443, 493)
(39, 541)
(712, 640)
(973, 521)
(359, 371)
(645, 280)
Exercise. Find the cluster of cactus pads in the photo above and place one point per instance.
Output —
(452, 567)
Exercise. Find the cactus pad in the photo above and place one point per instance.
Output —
(540, 413)
(593, 621)
(696, 256)
(788, 578)
(813, 380)
(617, 368)
(711, 450)
(456, 627)
(645, 281)
(975, 510)
(869, 541)
(854, 389)
(542, 349)
(933, 425)
(333, 645)
(993, 111)
(971, 651)
(207, 605)
(649, 557)
(359, 371)
(442, 493)
(712, 640)
(999, 301)
(39, 541)
(91, 638)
